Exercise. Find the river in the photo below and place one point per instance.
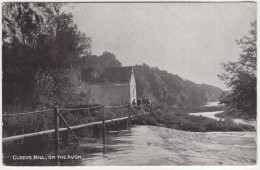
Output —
(150, 145)
(212, 115)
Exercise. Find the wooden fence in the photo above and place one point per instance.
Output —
(58, 117)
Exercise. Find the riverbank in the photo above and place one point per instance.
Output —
(182, 120)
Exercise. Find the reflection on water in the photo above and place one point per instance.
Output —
(148, 145)
(210, 104)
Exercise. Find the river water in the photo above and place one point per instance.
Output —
(150, 145)
(212, 115)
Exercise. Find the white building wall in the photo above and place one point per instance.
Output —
(107, 94)
(132, 88)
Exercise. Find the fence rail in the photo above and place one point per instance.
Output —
(64, 109)
(16, 114)
(58, 116)
(84, 108)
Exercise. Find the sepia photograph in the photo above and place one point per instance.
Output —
(129, 83)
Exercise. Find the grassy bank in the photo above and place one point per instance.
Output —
(184, 121)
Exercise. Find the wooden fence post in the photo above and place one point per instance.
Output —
(57, 125)
(103, 125)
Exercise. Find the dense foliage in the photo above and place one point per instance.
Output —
(41, 67)
(240, 76)
(171, 90)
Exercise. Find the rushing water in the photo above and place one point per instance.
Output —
(149, 145)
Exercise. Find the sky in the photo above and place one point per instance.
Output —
(187, 39)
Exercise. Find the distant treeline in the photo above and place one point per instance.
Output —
(171, 90)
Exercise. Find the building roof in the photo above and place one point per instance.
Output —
(113, 75)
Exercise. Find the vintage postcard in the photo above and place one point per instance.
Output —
(129, 83)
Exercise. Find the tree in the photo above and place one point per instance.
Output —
(108, 59)
(68, 44)
(105, 60)
(42, 48)
(240, 76)
(61, 62)
(25, 21)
